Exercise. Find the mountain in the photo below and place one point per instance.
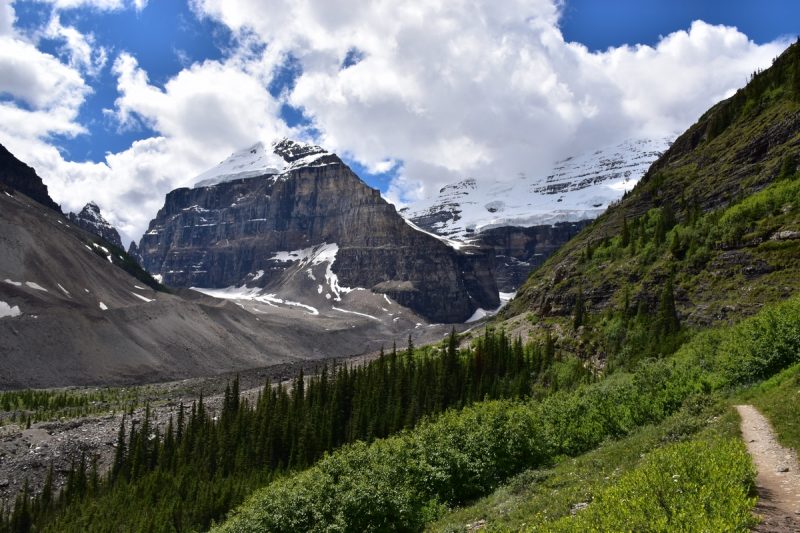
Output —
(92, 221)
(716, 216)
(577, 188)
(255, 219)
(77, 310)
(16, 175)
(526, 219)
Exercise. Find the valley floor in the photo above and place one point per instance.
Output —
(27, 453)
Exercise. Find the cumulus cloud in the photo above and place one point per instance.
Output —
(475, 88)
(436, 90)
(7, 16)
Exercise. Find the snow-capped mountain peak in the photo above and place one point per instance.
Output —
(577, 188)
(259, 160)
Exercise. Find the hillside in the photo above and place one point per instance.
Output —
(717, 213)
(77, 310)
(600, 400)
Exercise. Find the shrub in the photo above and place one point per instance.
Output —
(690, 486)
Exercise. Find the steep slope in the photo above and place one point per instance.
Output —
(93, 221)
(16, 175)
(717, 214)
(253, 217)
(577, 188)
(76, 310)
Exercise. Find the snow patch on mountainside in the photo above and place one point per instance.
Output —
(253, 294)
(577, 188)
(315, 255)
(480, 313)
(259, 160)
(7, 310)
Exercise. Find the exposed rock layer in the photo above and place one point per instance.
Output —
(223, 235)
(520, 250)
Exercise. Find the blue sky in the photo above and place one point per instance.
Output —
(600, 24)
(149, 94)
(166, 36)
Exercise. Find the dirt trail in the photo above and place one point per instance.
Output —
(778, 480)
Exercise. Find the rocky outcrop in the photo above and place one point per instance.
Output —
(520, 250)
(92, 221)
(239, 231)
(18, 176)
(133, 253)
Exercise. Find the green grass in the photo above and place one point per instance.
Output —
(540, 496)
(700, 485)
(778, 399)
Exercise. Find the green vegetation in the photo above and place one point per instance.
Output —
(702, 485)
(200, 466)
(26, 406)
(461, 455)
(539, 496)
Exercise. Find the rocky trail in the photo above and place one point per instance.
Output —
(778, 480)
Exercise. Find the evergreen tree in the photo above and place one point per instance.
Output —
(117, 467)
(788, 167)
(579, 311)
(667, 321)
(626, 235)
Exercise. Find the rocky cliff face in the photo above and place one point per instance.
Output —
(232, 230)
(16, 175)
(519, 250)
(93, 221)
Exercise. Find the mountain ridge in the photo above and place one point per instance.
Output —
(221, 235)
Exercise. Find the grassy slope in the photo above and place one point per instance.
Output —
(540, 499)
(707, 169)
(536, 497)
(407, 480)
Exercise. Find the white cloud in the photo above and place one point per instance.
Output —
(103, 5)
(441, 90)
(481, 88)
(38, 79)
(80, 49)
(212, 105)
(7, 17)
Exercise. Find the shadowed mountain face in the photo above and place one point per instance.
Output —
(248, 230)
(76, 310)
(16, 175)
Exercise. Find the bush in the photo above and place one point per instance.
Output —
(690, 486)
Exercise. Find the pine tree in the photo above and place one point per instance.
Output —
(117, 467)
(626, 235)
(580, 310)
(667, 321)
(788, 167)
(796, 71)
